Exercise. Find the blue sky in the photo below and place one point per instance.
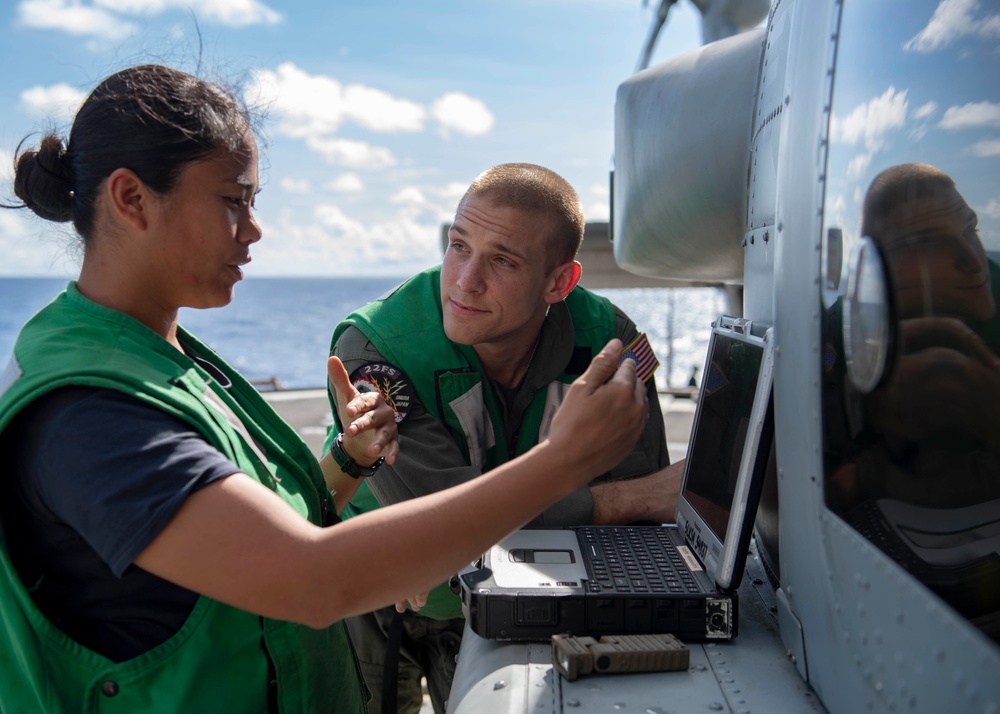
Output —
(379, 113)
(925, 89)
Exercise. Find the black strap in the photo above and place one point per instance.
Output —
(390, 675)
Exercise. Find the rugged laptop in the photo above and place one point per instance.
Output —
(676, 579)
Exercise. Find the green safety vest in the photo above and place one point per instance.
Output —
(407, 328)
(219, 660)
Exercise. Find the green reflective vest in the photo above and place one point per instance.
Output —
(407, 328)
(219, 660)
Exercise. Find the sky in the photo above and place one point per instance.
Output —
(924, 88)
(376, 115)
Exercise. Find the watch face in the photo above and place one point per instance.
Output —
(867, 319)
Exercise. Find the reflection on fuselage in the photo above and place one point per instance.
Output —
(914, 465)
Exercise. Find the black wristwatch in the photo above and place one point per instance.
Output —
(348, 465)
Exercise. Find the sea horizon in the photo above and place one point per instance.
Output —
(279, 328)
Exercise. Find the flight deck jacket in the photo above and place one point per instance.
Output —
(407, 329)
(223, 658)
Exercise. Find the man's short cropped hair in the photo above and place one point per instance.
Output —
(898, 186)
(532, 188)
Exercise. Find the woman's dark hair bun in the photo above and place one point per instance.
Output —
(44, 181)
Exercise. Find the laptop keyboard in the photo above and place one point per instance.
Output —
(634, 559)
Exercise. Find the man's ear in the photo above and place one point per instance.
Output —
(129, 199)
(564, 278)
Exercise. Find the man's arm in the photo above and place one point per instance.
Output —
(644, 486)
(648, 498)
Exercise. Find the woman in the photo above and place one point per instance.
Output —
(164, 545)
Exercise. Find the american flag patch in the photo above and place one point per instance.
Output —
(641, 351)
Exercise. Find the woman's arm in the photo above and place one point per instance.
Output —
(237, 542)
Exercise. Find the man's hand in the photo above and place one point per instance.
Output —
(414, 601)
(603, 414)
(370, 424)
(946, 378)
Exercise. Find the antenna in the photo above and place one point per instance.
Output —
(725, 18)
(719, 19)
(654, 32)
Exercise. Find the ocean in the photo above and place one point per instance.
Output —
(280, 328)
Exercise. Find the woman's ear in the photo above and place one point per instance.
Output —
(564, 279)
(129, 199)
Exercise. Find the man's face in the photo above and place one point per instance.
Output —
(495, 277)
(938, 262)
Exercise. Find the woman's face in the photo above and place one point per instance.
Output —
(205, 227)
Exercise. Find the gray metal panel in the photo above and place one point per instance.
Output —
(682, 149)
(911, 652)
(806, 574)
(767, 123)
(875, 639)
(758, 293)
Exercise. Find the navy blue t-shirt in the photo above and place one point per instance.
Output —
(97, 475)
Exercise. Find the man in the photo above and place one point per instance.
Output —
(929, 432)
(475, 356)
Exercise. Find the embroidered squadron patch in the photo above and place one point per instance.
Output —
(391, 382)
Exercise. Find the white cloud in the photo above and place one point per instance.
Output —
(857, 166)
(107, 19)
(410, 195)
(925, 110)
(971, 115)
(991, 209)
(597, 210)
(31, 246)
(990, 147)
(451, 192)
(463, 114)
(331, 242)
(354, 154)
(953, 20)
(598, 207)
(380, 111)
(836, 210)
(600, 190)
(73, 18)
(315, 104)
(306, 104)
(333, 217)
(6, 168)
(58, 101)
(295, 185)
(347, 183)
(234, 13)
(838, 205)
(872, 121)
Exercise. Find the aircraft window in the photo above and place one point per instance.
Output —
(912, 435)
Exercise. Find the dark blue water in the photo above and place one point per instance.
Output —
(281, 327)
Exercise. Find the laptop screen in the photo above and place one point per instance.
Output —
(729, 383)
(728, 448)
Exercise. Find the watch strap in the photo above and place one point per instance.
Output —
(348, 465)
